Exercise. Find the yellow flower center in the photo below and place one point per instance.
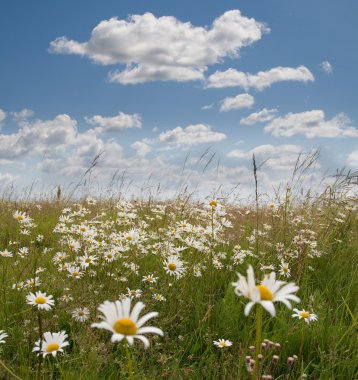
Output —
(52, 347)
(20, 217)
(265, 293)
(83, 229)
(172, 266)
(129, 238)
(125, 326)
(40, 300)
(285, 269)
(304, 314)
(75, 274)
(109, 256)
(213, 203)
(222, 344)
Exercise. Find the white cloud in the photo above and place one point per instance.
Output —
(163, 48)
(353, 159)
(191, 135)
(279, 157)
(311, 124)
(2, 116)
(115, 123)
(326, 67)
(259, 117)
(141, 148)
(38, 137)
(23, 115)
(259, 81)
(207, 107)
(239, 101)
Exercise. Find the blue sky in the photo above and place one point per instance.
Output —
(150, 85)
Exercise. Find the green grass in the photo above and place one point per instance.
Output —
(197, 310)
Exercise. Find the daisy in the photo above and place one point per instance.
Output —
(6, 253)
(174, 266)
(150, 279)
(269, 291)
(307, 316)
(80, 314)
(221, 343)
(51, 344)
(124, 323)
(158, 297)
(41, 300)
(3, 335)
(284, 270)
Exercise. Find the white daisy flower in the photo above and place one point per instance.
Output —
(124, 323)
(307, 316)
(174, 266)
(3, 335)
(284, 270)
(80, 314)
(269, 291)
(41, 300)
(51, 344)
(221, 343)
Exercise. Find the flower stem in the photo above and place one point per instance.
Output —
(129, 360)
(258, 341)
(7, 369)
(39, 367)
(302, 341)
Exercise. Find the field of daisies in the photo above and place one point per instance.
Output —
(179, 290)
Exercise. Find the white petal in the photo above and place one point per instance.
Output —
(136, 311)
(269, 306)
(143, 339)
(148, 330)
(248, 308)
(146, 318)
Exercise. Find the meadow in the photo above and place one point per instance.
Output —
(181, 259)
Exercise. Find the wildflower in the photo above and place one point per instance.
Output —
(6, 253)
(174, 266)
(74, 272)
(123, 323)
(80, 314)
(284, 269)
(51, 344)
(307, 316)
(158, 297)
(41, 300)
(150, 279)
(3, 335)
(269, 291)
(221, 343)
(33, 282)
(134, 293)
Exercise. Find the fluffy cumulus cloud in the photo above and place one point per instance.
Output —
(142, 148)
(116, 123)
(259, 116)
(326, 67)
(163, 48)
(311, 124)
(259, 81)
(278, 157)
(353, 159)
(237, 102)
(38, 137)
(190, 135)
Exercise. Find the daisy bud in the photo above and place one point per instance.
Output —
(295, 357)
(290, 361)
(260, 357)
(252, 349)
(270, 344)
(277, 346)
(263, 346)
(275, 359)
(247, 359)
